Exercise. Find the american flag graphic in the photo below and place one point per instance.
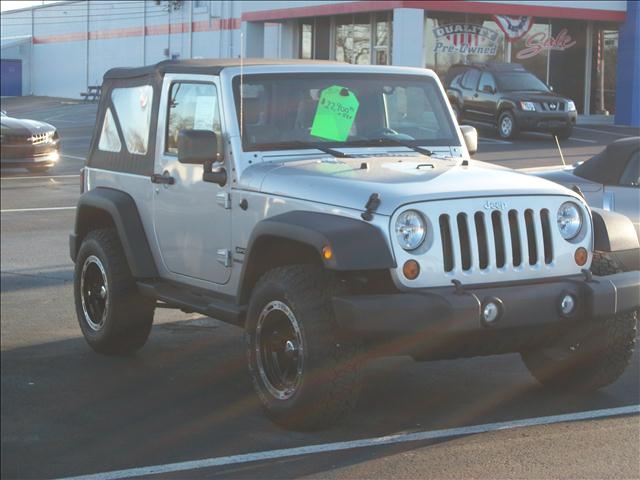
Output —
(472, 39)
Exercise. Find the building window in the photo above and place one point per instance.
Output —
(362, 39)
(603, 72)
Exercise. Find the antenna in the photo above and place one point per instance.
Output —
(241, 86)
(560, 150)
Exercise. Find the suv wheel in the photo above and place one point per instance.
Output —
(565, 133)
(113, 316)
(305, 375)
(507, 126)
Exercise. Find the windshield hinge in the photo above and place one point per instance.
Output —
(372, 205)
(224, 200)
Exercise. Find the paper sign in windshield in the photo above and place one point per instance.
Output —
(335, 114)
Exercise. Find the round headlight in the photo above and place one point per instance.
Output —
(410, 229)
(569, 220)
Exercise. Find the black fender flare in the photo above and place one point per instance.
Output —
(614, 233)
(355, 244)
(122, 210)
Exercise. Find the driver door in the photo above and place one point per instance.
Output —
(192, 218)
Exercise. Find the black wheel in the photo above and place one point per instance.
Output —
(39, 169)
(564, 133)
(305, 374)
(113, 316)
(507, 126)
(588, 359)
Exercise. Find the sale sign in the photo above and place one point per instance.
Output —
(540, 41)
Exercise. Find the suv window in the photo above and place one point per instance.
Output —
(487, 79)
(109, 140)
(192, 106)
(133, 109)
(521, 81)
(631, 175)
(470, 79)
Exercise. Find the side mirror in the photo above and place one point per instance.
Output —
(200, 147)
(488, 89)
(551, 88)
(197, 146)
(470, 135)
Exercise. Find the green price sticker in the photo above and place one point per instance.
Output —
(335, 114)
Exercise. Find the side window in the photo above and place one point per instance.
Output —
(133, 108)
(470, 79)
(192, 106)
(631, 175)
(486, 79)
(109, 141)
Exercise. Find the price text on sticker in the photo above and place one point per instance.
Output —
(336, 111)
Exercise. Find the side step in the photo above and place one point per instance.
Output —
(189, 299)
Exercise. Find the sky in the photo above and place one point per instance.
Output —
(13, 4)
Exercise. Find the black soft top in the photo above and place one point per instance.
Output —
(608, 166)
(207, 66)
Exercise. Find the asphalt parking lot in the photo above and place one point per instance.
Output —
(186, 396)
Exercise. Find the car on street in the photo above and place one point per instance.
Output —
(609, 180)
(28, 144)
(509, 98)
(333, 212)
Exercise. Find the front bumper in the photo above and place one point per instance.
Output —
(445, 323)
(21, 156)
(545, 121)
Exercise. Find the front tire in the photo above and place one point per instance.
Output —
(304, 373)
(507, 125)
(564, 133)
(113, 316)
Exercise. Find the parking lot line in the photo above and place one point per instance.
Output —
(75, 157)
(606, 132)
(43, 209)
(369, 442)
(495, 140)
(39, 176)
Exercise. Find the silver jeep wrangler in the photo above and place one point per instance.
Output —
(334, 213)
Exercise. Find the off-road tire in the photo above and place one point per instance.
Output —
(128, 314)
(602, 354)
(604, 264)
(513, 132)
(330, 378)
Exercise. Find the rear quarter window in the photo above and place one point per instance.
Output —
(133, 109)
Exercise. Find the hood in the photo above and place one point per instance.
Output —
(349, 182)
(534, 96)
(19, 126)
(565, 176)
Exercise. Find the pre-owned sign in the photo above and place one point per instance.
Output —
(466, 39)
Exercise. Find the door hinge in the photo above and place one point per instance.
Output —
(224, 200)
(224, 257)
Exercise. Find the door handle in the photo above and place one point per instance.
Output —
(165, 178)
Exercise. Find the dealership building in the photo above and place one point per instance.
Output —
(587, 50)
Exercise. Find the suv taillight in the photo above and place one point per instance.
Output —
(82, 180)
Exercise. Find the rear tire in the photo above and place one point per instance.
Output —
(507, 125)
(114, 317)
(305, 374)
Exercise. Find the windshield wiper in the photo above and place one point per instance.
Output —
(317, 146)
(402, 143)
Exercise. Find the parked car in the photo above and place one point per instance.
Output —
(332, 212)
(28, 144)
(507, 96)
(608, 180)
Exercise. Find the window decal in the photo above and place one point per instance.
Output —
(337, 109)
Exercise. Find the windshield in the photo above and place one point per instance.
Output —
(341, 110)
(509, 82)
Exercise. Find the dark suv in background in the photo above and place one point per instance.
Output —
(507, 96)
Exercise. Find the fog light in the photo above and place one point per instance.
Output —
(411, 269)
(490, 312)
(567, 304)
(581, 256)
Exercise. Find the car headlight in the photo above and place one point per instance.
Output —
(569, 220)
(528, 106)
(411, 229)
(571, 107)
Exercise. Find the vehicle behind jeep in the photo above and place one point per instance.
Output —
(332, 212)
(509, 97)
